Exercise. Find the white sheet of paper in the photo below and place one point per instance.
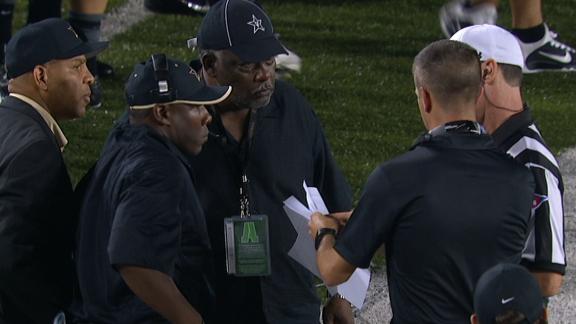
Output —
(303, 249)
(355, 289)
(315, 201)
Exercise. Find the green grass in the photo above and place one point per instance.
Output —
(356, 72)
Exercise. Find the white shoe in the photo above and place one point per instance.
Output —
(286, 63)
(548, 54)
(198, 6)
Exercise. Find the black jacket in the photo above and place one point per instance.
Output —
(446, 212)
(36, 218)
(140, 208)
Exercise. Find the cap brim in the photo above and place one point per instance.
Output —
(88, 49)
(259, 50)
(206, 95)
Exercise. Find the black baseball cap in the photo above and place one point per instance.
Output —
(506, 287)
(242, 27)
(162, 80)
(44, 41)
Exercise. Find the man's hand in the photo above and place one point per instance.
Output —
(337, 311)
(334, 269)
(342, 218)
(318, 221)
(159, 291)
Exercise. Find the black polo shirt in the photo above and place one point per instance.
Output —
(446, 211)
(141, 209)
(287, 148)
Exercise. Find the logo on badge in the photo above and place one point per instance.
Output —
(249, 233)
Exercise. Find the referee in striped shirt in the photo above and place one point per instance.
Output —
(510, 123)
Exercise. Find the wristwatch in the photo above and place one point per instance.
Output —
(321, 233)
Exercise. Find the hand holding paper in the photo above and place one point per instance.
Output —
(354, 290)
(317, 221)
(342, 218)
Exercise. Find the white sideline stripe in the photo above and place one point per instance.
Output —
(123, 18)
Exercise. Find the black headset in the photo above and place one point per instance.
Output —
(161, 73)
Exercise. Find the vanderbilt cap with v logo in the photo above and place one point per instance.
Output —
(242, 27)
(162, 80)
(44, 41)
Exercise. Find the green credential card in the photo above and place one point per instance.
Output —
(247, 245)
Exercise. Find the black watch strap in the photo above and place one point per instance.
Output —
(321, 233)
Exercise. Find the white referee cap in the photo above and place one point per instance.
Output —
(492, 42)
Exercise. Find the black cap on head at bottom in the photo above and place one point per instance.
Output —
(507, 287)
(161, 80)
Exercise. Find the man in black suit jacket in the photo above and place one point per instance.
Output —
(49, 81)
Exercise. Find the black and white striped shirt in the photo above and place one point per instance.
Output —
(521, 139)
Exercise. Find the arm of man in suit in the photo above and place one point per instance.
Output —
(160, 292)
(27, 187)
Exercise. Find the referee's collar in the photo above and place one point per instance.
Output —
(512, 125)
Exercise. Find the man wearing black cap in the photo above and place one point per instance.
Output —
(46, 63)
(266, 142)
(143, 251)
(508, 294)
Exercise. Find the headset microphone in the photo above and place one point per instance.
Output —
(160, 64)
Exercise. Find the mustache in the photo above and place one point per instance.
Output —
(264, 87)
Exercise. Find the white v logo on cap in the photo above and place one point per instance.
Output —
(257, 24)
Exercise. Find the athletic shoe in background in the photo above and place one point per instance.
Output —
(286, 64)
(548, 54)
(458, 14)
(178, 7)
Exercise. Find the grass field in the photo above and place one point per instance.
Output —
(357, 59)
